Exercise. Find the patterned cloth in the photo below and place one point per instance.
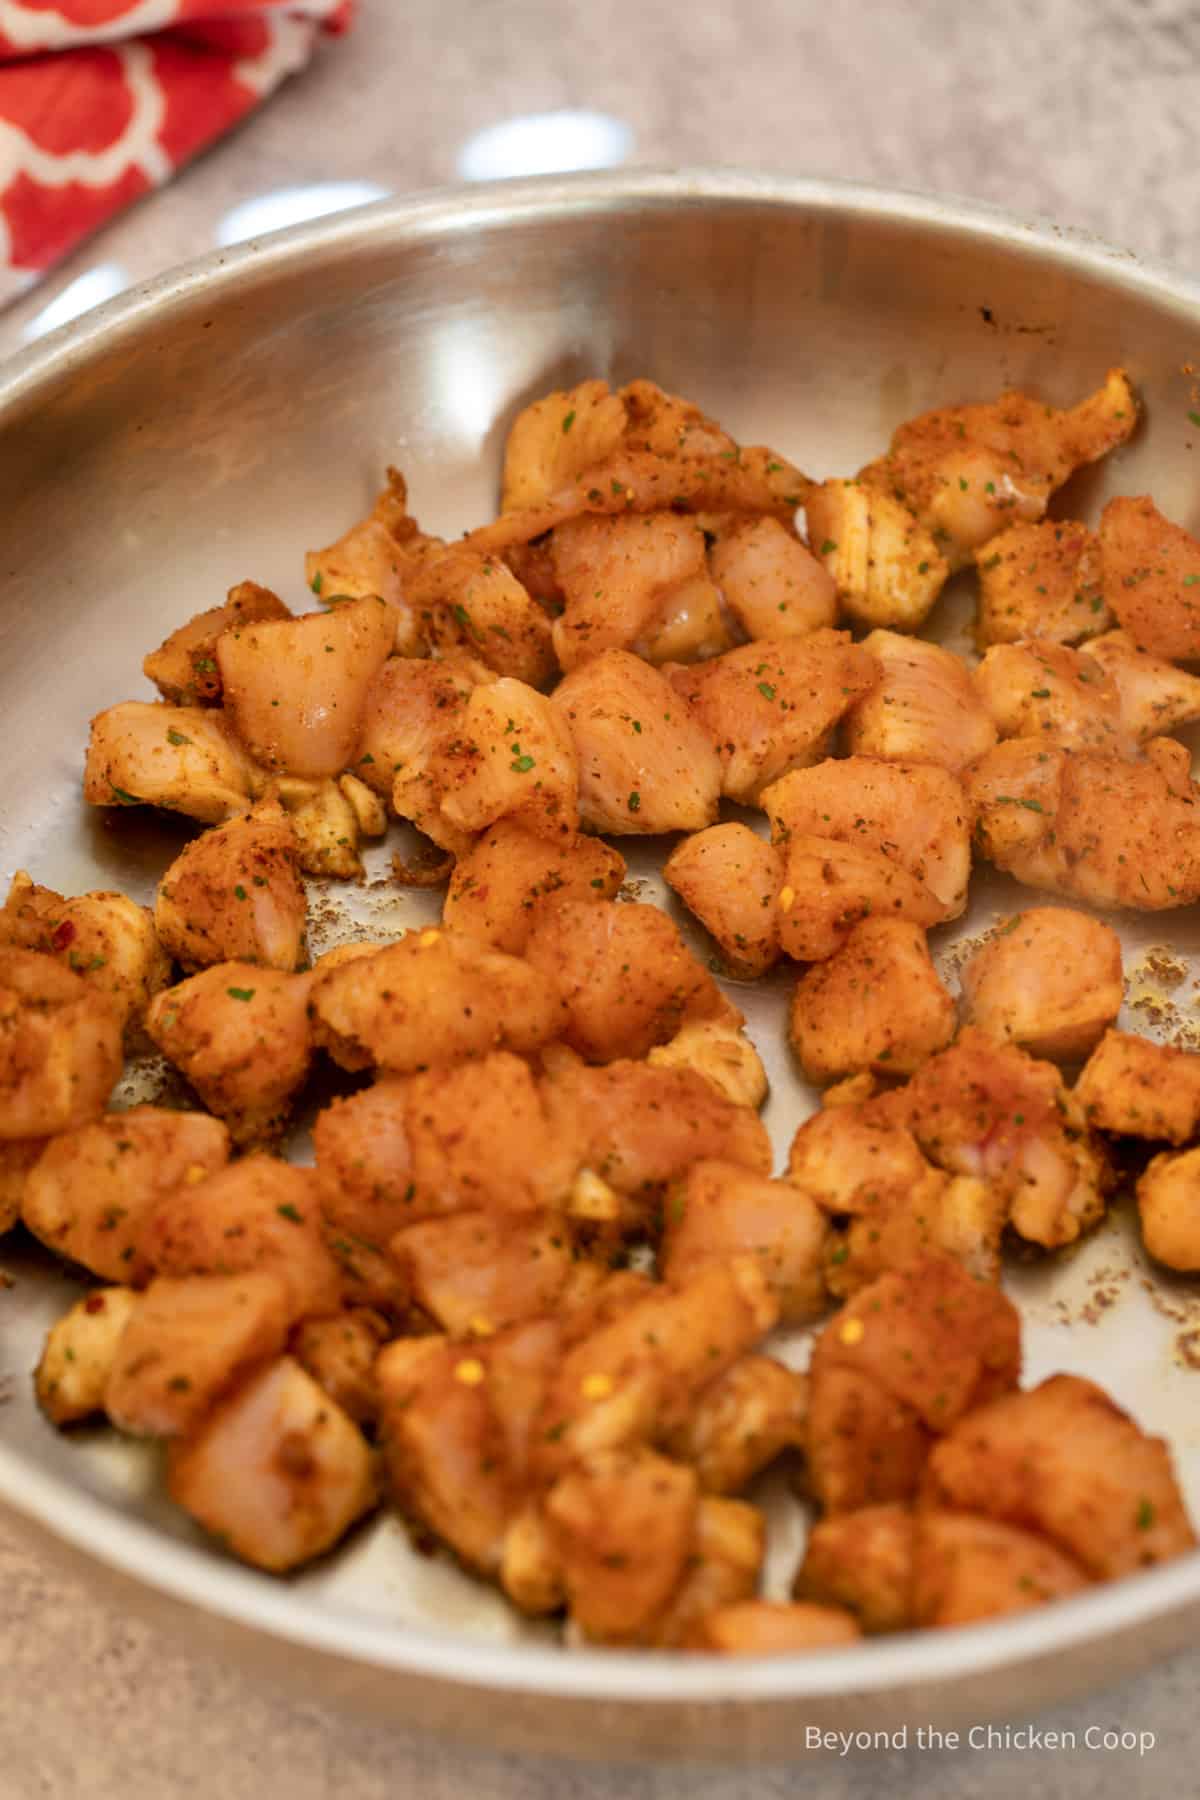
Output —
(101, 100)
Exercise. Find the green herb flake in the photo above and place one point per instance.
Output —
(1194, 417)
(521, 765)
(1190, 580)
(1039, 693)
(317, 582)
(1145, 1511)
(568, 421)
(289, 1212)
(179, 737)
(124, 798)
(240, 993)
(766, 690)
(206, 665)
(828, 547)
(239, 892)
(635, 801)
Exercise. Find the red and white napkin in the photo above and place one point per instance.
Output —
(101, 100)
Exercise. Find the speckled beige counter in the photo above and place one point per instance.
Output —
(1083, 109)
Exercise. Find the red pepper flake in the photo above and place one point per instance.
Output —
(94, 1303)
(64, 934)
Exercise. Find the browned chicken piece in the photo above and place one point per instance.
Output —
(17, 1157)
(145, 753)
(60, 1047)
(896, 1368)
(234, 894)
(729, 878)
(364, 1161)
(1155, 697)
(723, 1569)
(772, 707)
(1092, 827)
(1048, 979)
(741, 1422)
(967, 1568)
(774, 1628)
(91, 1191)
(78, 1355)
(377, 556)
(645, 764)
(511, 876)
(241, 1035)
(1150, 570)
(1136, 1088)
(720, 1210)
(862, 1561)
(339, 1353)
(1049, 692)
(105, 937)
(968, 472)
(617, 576)
(627, 978)
(886, 566)
(433, 997)
(257, 1214)
(412, 706)
(184, 668)
(556, 438)
(473, 604)
(1065, 1461)
(877, 1003)
(1168, 1196)
(296, 689)
(512, 757)
(476, 1272)
(1040, 581)
(276, 1472)
(923, 709)
(771, 582)
(187, 1343)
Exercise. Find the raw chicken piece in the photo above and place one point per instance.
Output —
(645, 764)
(78, 1354)
(1155, 696)
(771, 582)
(967, 1568)
(511, 875)
(1168, 1195)
(412, 706)
(1063, 1460)
(473, 604)
(106, 938)
(720, 1051)
(863, 1561)
(17, 1157)
(1040, 581)
(691, 626)
(556, 438)
(1140, 1089)
(729, 877)
(1151, 574)
(741, 1422)
(1052, 693)
(145, 753)
(829, 887)
(339, 1353)
(723, 1568)
(774, 1628)
(184, 668)
(326, 822)
(720, 1210)
(60, 1047)
(617, 576)
(876, 1003)
(924, 709)
(512, 756)
(772, 707)
(886, 567)
(234, 894)
(1048, 979)
(476, 1272)
(376, 557)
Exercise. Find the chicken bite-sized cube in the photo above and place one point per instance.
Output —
(1048, 691)
(432, 997)
(774, 1628)
(719, 1050)
(187, 1343)
(1065, 1461)
(1136, 1088)
(472, 603)
(146, 753)
(1048, 979)
(887, 568)
(724, 1568)
(557, 438)
(876, 1003)
(277, 1473)
(1168, 1195)
(829, 887)
(476, 1272)
(1155, 697)
(234, 894)
(720, 1210)
(256, 1214)
(78, 1355)
(1040, 581)
(60, 1047)
(364, 1162)
(340, 1353)
(512, 756)
(241, 1035)
(729, 878)
(967, 1568)
(741, 1422)
(411, 706)
(863, 1446)
(510, 875)
(923, 709)
(617, 576)
(327, 824)
(368, 1278)
(105, 937)
(1150, 569)
(17, 1157)
(627, 979)
(376, 556)
(645, 764)
(184, 667)
(92, 1189)
(691, 626)
(772, 707)
(296, 689)
(770, 580)
(862, 1561)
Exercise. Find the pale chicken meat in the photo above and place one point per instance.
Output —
(1040, 581)
(556, 438)
(473, 604)
(829, 887)
(234, 894)
(339, 1353)
(104, 937)
(146, 753)
(924, 707)
(886, 566)
(473, 1273)
(411, 706)
(1168, 1197)
(1150, 569)
(862, 1561)
(511, 875)
(78, 1355)
(967, 1568)
(1154, 695)
(645, 764)
(772, 707)
(1136, 1088)
(741, 1422)
(1056, 695)
(60, 1047)
(719, 1210)
(184, 668)
(375, 557)
(17, 1157)
(326, 822)
(1049, 979)
(729, 877)
(617, 576)
(512, 756)
(774, 1628)
(724, 1569)
(691, 626)
(770, 580)
(876, 1003)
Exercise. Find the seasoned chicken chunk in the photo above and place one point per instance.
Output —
(472, 603)
(1053, 693)
(862, 1561)
(772, 707)
(617, 576)
(876, 1003)
(720, 1210)
(774, 1628)
(720, 1051)
(729, 878)
(78, 1354)
(557, 438)
(339, 1353)
(645, 764)
(277, 1472)
(741, 1422)
(512, 757)
(1137, 1088)
(923, 709)
(967, 1568)
(887, 568)
(1048, 979)
(723, 1568)
(476, 1272)
(60, 1047)
(1040, 581)
(234, 894)
(184, 668)
(145, 753)
(511, 875)
(771, 582)
(326, 824)
(376, 556)
(17, 1157)
(1154, 695)
(1150, 571)
(1063, 1460)
(412, 706)
(106, 938)
(1168, 1195)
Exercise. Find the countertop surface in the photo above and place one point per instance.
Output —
(1084, 110)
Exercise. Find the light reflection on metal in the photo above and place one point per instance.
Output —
(545, 144)
(90, 289)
